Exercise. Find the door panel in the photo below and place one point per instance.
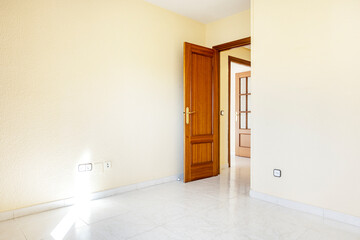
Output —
(201, 94)
(201, 153)
(244, 140)
(242, 114)
(201, 121)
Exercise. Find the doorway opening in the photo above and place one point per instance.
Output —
(239, 114)
(202, 130)
(225, 146)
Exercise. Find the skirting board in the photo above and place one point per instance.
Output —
(8, 215)
(325, 213)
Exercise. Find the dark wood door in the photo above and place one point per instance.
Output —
(242, 114)
(201, 113)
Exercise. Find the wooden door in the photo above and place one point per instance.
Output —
(201, 113)
(242, 114)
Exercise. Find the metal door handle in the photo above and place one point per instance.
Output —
(189, 112)
(236, 116)
(187, 115)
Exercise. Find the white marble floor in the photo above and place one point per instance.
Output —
(214, 208)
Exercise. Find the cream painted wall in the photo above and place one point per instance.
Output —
(228, 29)
(88, 81)
(306, 101)
(242, 53)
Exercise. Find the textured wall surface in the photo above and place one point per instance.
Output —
(88, 81)
(306, 101)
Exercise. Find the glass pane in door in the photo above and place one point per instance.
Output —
(243, 103)
(243, 120)
(242, 85)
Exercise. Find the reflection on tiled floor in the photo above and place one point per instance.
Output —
(214, 208)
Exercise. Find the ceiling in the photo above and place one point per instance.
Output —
(204, 11)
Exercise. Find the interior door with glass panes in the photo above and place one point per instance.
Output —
(242, 114)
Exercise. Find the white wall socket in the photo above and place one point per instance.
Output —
(89, 167)
(107, 165)
(82, 168)
(277, 173)
(85, 167)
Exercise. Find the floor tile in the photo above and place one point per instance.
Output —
(55, 224)
(159, 233)
(95, 211)
(10, 230)
(214, 208)
(124, 226)
(192, 227)
(89, 233)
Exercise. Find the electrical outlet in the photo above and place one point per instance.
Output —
(88, 167)
(277, 173)
(85, 167)
(107, 165)
(82, 168)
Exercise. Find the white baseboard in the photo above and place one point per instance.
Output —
(325, 213)
(8, 215)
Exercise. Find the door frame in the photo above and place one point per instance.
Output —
(219, 48)
(239, 61)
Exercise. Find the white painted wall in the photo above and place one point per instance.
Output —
(306, 101)
(228, 29)
(71, 92)
(89, 81)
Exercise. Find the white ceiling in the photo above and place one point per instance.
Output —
(204, 11)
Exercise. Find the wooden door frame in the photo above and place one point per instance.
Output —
(219, 48)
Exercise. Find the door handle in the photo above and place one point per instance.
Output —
(187, 115)
(236, 116)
